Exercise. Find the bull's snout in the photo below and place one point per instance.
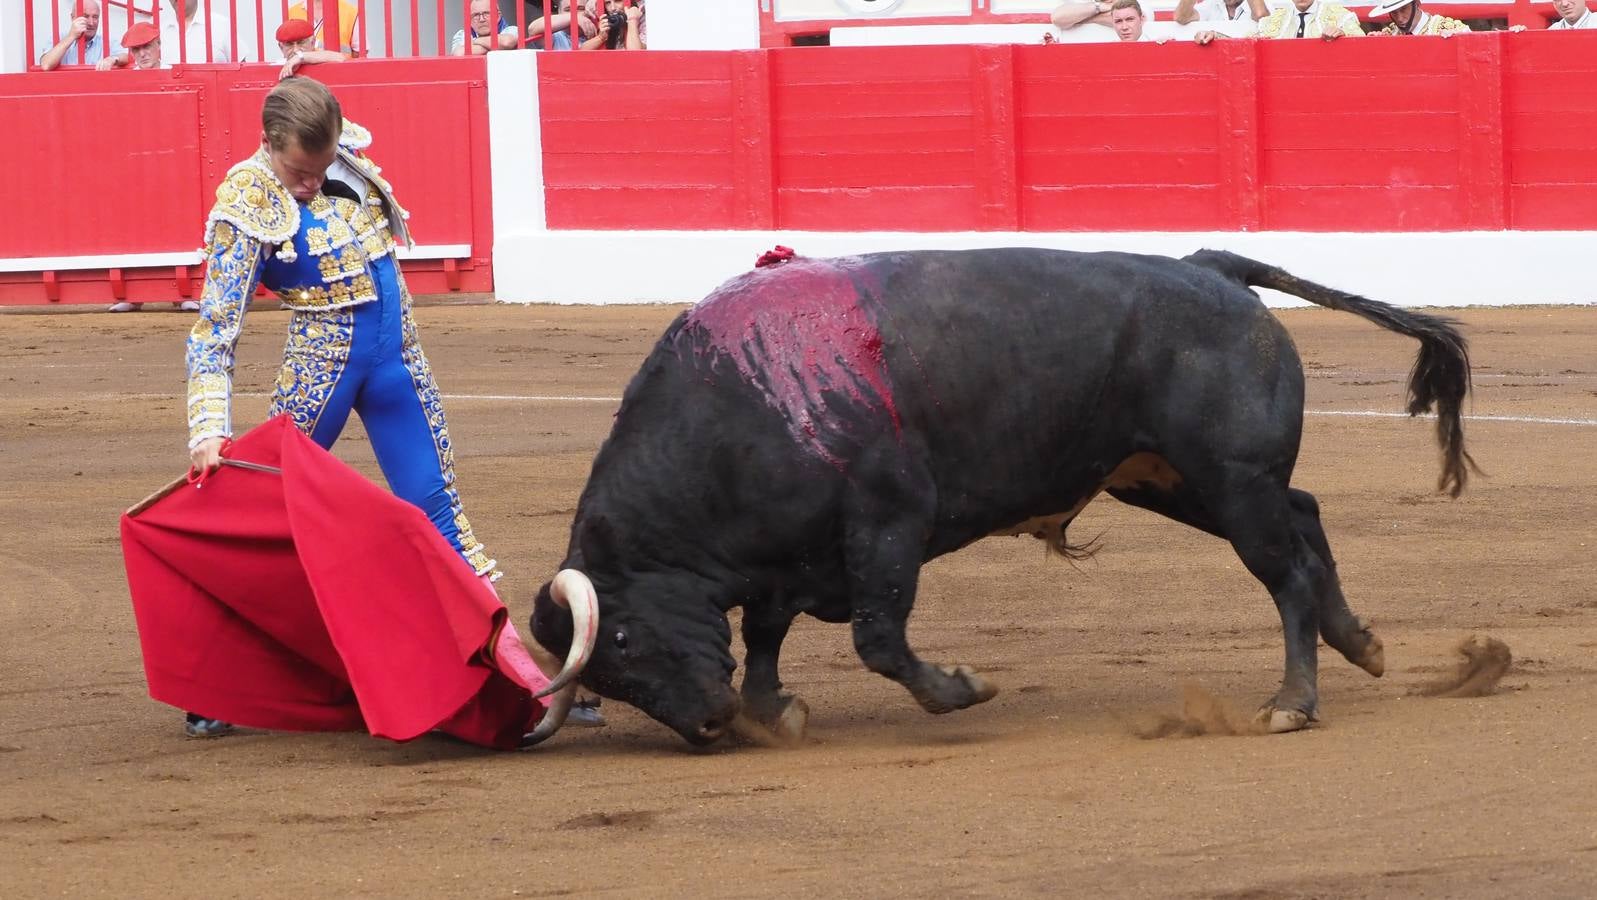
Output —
(714, 726)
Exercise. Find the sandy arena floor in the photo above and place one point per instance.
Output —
(1045, 790)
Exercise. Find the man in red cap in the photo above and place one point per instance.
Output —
(297, 40)
(143, 44)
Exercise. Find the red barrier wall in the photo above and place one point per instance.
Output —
(1478, 132)
(128, 162)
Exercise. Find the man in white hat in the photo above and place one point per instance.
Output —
(1572, 14)
(1409, 18)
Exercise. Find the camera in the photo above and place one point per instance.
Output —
(618, 29)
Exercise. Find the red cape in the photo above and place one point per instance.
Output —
(315, 600)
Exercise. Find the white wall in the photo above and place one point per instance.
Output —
(684, 266)
(704, 24)
(12, 45)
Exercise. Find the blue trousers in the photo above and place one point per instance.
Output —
(366, 359)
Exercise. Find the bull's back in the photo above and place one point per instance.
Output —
(1009, 373)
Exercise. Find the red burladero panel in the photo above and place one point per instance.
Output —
(1120, 138)
(87, 171)
(1550, 130)
(1361, 135)
(869, 138)
(637, 140)
(428, 158)
(128, 162)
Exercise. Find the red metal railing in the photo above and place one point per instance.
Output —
(327, 17)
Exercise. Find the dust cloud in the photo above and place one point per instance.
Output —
(1485, 661)
(1202, 713)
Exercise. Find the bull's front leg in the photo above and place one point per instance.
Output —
(768, 713)
(884, 550)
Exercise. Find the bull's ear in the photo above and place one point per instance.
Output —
(551, 624)
(601, 545)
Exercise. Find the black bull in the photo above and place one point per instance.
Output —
(809, 435)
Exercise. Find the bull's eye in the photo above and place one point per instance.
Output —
(621, 640)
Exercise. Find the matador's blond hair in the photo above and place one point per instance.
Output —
(301, 110)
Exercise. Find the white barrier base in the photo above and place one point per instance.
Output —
(1469, 268)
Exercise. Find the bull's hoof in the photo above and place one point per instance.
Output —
(1374, 659)
(781, 724)
(947, 688)
(1273, 720)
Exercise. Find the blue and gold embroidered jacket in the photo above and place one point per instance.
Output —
(315, 255)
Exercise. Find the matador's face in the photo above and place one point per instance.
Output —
(301, 171)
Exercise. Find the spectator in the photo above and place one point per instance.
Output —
(191, 47)
(485, 34)
(1126, 18)
(296, 40)
(143, 44)
(1408, 17)
(86, 24)
(348, 24)
(1310, 19)
(559, 26)
(1572, 14)
(1076, 13)
(620, 28)
(1189, 11)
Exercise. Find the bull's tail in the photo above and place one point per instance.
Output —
(1440, 378)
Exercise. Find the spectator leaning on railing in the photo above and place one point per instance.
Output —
(1572, 14)
(1126, 18)
(296, 40)
(1408, 17)
(559, 27)
(143, 44)
(486, 34)
(85, 24)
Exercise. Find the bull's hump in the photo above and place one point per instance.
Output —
(803, 333)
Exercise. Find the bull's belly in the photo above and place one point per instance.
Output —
(1139, 470)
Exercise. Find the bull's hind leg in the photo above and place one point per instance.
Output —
(884, 545)
(1258, 519)
(1341, 629)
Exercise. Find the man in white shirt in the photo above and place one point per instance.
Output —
(1311, 19)
(486, 33)
(1189, 11)
(86, 25)
(1572, 14)
(192, 47)
(1125, 17)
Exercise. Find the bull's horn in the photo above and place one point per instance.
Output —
(574, 591)
(553, 717)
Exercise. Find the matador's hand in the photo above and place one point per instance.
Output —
(207, 454)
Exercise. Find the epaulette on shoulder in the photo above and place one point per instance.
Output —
(354, 137)
(254, 201)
